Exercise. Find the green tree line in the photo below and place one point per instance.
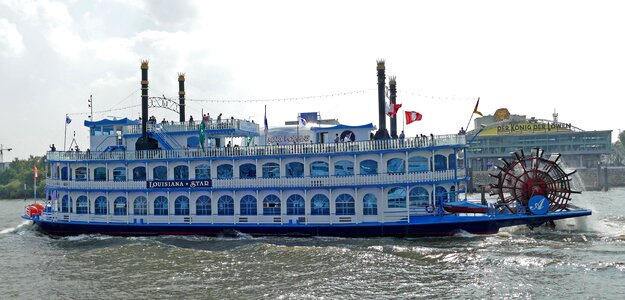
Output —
(22, 172)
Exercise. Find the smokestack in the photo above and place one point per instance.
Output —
(145, 142)
(181, 94)
(392, 86)
(382, 133)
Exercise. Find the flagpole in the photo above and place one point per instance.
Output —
(65, 136)
(472, 113)
(35, 188)
(403, 115)
(265, 123)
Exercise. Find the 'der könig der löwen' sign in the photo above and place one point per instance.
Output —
(527, 128)
(181, 184)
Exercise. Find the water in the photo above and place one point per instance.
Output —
(580, 259)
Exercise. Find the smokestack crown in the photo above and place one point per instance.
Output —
(144, 64)
(381, 64)
(180, 76)
(392, 80)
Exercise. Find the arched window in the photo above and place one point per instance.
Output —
(451, 161)
(395, 166)
(440, 194)
(181, 206)
(271, 205)
(119, 206)
(181, 173)
(345, 205)
(295, 205)
(369, 205)
(138, 174)
(161, 206)
(140, 206)
(99, 174)
(294, 169)
(419, 198)
(417, 164)
(368, 167)
(248, 205)
(319, 169)
(224, 171)
(119, 174)
(202, 171)
(344, 168)
(64, 173)
(319, 205)
(247, 171)
(159, 173)
(80, 174)
(440, 162)
(82, 205)
(66, 204)
(203, 206)
(193, 142)
(397, 198)
(271, 170)
(101, 206)
(225, 205)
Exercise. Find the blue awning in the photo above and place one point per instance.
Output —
(343, 127)
(103, 122)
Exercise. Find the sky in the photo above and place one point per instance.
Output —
(532, 57)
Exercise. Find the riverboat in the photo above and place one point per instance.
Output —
(186, 178)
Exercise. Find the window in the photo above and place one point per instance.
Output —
(138, 174)
(271, 170)
(452, 193)
(161, 206)
(452, 161)
(202, 171)
(101, 206)
(319, 169)
(418, 164)
(295, 205)
(397, 198)
(181, 206)
(247, 171)
(319, 205)
(419, 197)
(368, 167)
(193, 142)
(203, 206)
(64, 173)
(181, 173)
(140, 206)
(224, 171)
(345, 205)
(66, 204)
(119, 174)
(248, 205)
(395, 166)
(294, 169)
(159, 173)
(82, 205)
(344, 168)
(225, 205)
(440, 194)
(440, 162)
(99, 174)
(271, 206)
(119, 206)
(369, 205)
(80, 174)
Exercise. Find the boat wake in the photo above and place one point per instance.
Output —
(14, 229)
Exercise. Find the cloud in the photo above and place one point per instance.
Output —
(11, 42)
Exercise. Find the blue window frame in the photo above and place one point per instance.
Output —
(140, 206)
(247, 171)
(345, 205)
(99, 174)
(66, 204)
(294, 169)
(225, 206)
(369, 205)
(271, 205)
(451, 161)
(295, 205)
(368, 167)
(64, 173)
(159, 173)
(419, 197)
(181, 173)
(203, 206)
(224, 171)
(395, 166)
(181, 206)
(418, 164)
(440, 162)
(271, 170)
(119, 174)
(120, 206)
(80, 174)
(101, 206)
(82, 205)
(440, 194)
(248, 205)
(320, 205)
(396, 198)
(161, 206)
(202, 171)
(344, 168)
(319, 169)
(138, 174)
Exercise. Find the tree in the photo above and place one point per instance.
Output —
(22, 172)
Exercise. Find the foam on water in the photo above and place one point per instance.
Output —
(14, 229)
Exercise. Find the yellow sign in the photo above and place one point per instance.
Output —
(527, 128)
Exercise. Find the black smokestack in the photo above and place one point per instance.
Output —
(392, 87)
(382, 133)
(145, 142)
(181, 95)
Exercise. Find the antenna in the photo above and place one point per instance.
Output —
(90, 101)
(2, 149)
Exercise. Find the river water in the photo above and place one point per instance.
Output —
(580, 259)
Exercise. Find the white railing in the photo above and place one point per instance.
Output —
(195, 126)
(297, 149)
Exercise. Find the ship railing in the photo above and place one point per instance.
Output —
(224, 124)
(296, 149)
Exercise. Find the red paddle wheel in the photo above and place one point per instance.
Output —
(528, 176)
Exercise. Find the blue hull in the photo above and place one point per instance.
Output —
(417, 227)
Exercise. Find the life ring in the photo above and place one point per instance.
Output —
(429, 208)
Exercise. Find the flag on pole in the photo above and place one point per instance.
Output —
(36, 173)
(67, 119)
(266, 125)
(393, 108)
(475, 111)
(302, 122)
(412, 116)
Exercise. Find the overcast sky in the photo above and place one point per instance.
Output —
(529, 56)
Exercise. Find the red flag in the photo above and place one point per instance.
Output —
(412, 116)
(475, 111)
(36, 173)
(394, 109)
